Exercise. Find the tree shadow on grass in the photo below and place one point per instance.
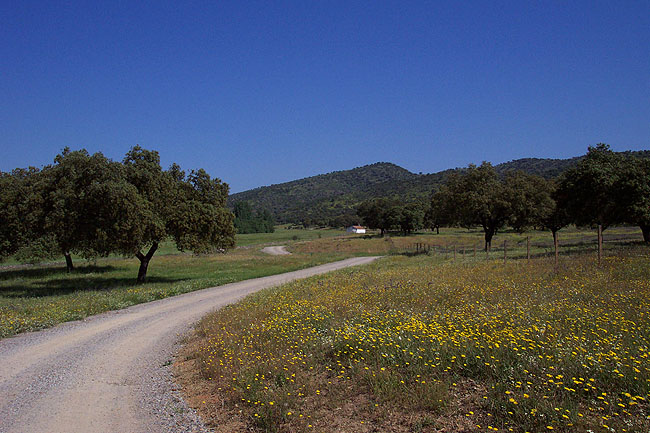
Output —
(53, 281)
(48, 271)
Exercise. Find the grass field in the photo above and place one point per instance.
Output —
(571, 241)
(423, 344)
(282, 235)
(286, 236)
(41, 296)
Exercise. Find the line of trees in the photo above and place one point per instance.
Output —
(605, 188)
(247, 221)
(389, 214)
(92, 206)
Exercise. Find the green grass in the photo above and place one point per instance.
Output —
(285, 236)
(421, 343)
(571, 240)
(282, 235)
(41, 296)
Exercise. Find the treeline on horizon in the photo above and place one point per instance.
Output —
(91, 206)
(332, 199)
(603, 189)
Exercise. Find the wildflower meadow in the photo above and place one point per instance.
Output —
(424, 344)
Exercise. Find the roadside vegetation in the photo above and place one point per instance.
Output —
(421, 343)
(38, 297)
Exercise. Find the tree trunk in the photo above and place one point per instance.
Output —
(489, 233)
(556, 246)
(144, 261)
(645, 229)
(68, 262)
(437, 230)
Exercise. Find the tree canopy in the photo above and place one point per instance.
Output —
(92, 206)
(246, 221)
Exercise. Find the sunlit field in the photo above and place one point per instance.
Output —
(466, 242)
(41, 296)
(286, 236)
(422, 343)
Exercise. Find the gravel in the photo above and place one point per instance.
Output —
(112, 372)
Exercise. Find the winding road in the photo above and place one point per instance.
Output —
(111, 372)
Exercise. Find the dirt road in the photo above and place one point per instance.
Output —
(111, 372)
(278, 250)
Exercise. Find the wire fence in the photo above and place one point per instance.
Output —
(523, 247)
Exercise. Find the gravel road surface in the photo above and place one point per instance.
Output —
(112, 372)
(278, 250)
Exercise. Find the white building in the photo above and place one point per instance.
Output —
(356, 229)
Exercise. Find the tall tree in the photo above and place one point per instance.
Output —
(69, 202)
(592, 188)
(192, 211)
(411, 217)
(633, 193)
(16, 222)
(477, 196)
(248, 222)
(379, 214)
(530, 200)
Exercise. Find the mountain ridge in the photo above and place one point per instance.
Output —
(332, 198)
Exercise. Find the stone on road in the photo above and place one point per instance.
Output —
(111, 372)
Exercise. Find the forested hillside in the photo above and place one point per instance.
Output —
(332, 198)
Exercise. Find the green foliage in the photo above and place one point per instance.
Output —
(327, 199)
(591, 187)
(332, 199)
(530, 200)
(91, 206)
(633, 193)
(191, 210)
(14, 187)
(39, 250)
(247, 222)
(477, 197)
(387, 214)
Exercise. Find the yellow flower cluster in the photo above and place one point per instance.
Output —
(567, 351)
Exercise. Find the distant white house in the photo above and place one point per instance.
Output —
(356, 229)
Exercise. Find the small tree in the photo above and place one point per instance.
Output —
(555, 217)
(435, 216)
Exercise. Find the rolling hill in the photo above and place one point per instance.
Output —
(332, 198)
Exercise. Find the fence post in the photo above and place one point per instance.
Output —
(600, 243)
(504, 252)
(556, 245)
(528, 248)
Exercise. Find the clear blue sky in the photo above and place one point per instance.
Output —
(265, 92)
